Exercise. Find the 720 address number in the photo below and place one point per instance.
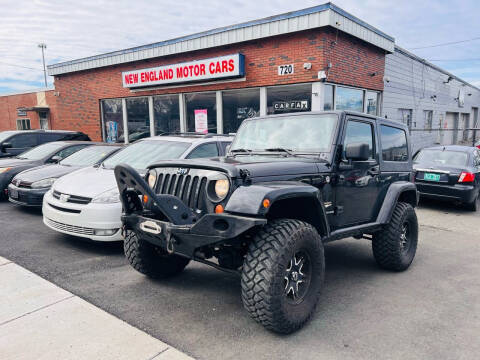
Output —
(285, 69)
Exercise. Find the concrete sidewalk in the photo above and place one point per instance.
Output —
(39, 320)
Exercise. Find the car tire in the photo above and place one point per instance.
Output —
(151, 260)
(473, 206)
(283, 274)
(395, 246)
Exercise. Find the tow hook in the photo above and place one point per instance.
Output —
(150, 227)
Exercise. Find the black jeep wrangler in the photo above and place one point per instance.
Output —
(289, 184)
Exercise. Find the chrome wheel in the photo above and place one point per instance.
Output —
(405, 237)
(297, 277)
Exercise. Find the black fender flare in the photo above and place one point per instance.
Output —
(248, 200)
(395, 191)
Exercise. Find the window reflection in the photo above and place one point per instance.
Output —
(239, 105)
(349, 99)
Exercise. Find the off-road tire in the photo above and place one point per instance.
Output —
(387, 245)
(151, 260)
(263, 275)
(473, 206)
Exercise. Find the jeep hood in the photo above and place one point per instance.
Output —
(256, 165)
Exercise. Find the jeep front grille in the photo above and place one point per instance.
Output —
(189, 188)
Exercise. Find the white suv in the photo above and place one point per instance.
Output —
(86, 202)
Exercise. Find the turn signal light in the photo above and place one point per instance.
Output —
(466, 177)
(266, 203)
(145, 199)
(218, 209)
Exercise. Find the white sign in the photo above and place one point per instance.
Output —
(201, 121)
(285, 69)
(208, 69)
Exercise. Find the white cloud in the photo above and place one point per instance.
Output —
(73, 29)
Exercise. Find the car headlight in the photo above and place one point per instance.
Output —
(152, 178)
(221, 188)
(45, 183)
(108, 197)
(4, 169)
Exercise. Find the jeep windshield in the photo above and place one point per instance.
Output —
(142, 154)
(297, 134)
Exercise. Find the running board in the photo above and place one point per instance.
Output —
(352, 231)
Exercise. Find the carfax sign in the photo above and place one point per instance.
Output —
(228, 66)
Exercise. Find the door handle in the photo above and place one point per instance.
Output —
(374, 170)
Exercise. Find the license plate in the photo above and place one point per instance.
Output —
(431, 177)
(13, 194)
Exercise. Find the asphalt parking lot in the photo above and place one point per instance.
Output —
(431, 311)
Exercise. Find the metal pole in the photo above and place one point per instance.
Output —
(43, 47)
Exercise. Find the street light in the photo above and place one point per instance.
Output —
(43, 46)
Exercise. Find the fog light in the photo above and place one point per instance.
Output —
(105, 232)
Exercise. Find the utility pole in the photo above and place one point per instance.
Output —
(43, 46)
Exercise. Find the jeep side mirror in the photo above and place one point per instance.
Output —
(357, 152)
(6, 146)
(55, 159)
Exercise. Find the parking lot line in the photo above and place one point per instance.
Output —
(39, 320)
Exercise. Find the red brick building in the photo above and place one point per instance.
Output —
(35, 109)
(312, 59)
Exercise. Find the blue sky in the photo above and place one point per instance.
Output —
(73, 29)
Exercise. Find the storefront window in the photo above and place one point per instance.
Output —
(138, 118)
(285, 99)
(167, 114)
(371, 100)
(328, 97)
(112, 119)
(349, 99)
(239, 105)
(201, 112)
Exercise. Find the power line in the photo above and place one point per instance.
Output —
(447, 43)
(20, 66)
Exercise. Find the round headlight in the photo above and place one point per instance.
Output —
(152, 178)
(221, 188)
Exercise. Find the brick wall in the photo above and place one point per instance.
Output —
(352, 61)
(10, 103)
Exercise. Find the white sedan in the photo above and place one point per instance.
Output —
(86, 202)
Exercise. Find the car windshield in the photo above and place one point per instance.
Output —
(441, 157)
(300, 134)
(91, 155)
(5, 134)
(41, 151)
(142, 154)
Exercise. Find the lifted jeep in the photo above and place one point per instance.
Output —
(289, 184)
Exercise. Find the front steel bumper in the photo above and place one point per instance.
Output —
(186, 239)
(181, 232)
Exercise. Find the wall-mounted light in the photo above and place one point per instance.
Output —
(307, 66)
(372, 74)
(469, 94)
(433, 97)
(386, 79)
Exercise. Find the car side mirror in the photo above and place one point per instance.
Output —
(6, 146)
(357, 152)
(55, 159)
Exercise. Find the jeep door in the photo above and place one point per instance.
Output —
(357, 184)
